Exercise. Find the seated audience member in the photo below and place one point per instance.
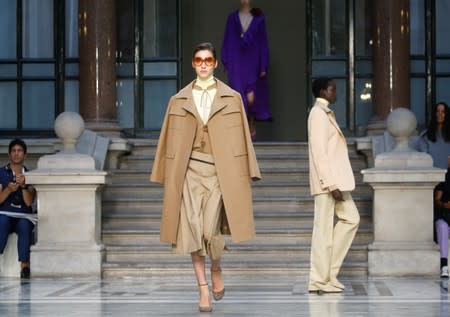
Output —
(442, 219)
(16, 198)
(435, 140)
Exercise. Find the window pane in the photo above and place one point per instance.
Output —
(418, 101)
(442, 88)
(363, 27)
(8, 29)
(160, 69)
(417, 66)
(125, 69)
(417, 27)
(125, 103)
(125, 28)
(8, 70)
(8, 106)
(72, 70)
(363, 67)
(340, 107)
(329, 28)
(363, 102)
(71, 96)
(38, 28)
(157, 94)
(442, 66)
(38, 70)
(442, 27)
(38, 105)
(329, 68)
(160, 28)
(71, 28)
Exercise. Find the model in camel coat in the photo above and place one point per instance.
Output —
(233, 153)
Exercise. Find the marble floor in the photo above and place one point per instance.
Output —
(276, 295)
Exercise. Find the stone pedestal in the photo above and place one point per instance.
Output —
(403, 181)
(403, 221)
(69, 208)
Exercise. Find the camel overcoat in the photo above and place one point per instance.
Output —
(233, 152)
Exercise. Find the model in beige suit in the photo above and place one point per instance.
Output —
(331, 181)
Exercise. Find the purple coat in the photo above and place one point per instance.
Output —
(245, 56)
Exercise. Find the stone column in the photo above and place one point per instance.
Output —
(391, 70)
(403, 181)
(97, 50)
(69, 208)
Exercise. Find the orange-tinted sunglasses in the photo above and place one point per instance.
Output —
(209, 61)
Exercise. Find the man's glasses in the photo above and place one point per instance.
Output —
(209, 61)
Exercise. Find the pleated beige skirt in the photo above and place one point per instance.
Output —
(201, 206)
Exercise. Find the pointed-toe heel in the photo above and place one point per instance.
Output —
(218, 295)
(204, 309)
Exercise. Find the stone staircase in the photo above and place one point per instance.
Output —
(283, 210)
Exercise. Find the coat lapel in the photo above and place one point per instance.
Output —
(331, 116)
(220, 100)
(187, 100)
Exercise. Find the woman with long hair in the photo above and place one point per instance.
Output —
(436, 142)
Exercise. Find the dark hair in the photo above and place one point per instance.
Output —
(206, 46)
(19, 142)
(319, 84)
(431, 130)
(256, 12)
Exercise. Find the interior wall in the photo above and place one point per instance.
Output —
(204, 21)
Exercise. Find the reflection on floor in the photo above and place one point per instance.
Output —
(245, 296)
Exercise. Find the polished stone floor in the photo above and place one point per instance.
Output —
(276, 295)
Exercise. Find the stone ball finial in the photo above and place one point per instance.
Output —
(401, 123)
(68, 127)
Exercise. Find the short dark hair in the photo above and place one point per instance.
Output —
(206, 46)
(18, 142)
(319, 84)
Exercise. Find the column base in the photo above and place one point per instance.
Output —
(403, 259)
(104, 128)
(67, 260)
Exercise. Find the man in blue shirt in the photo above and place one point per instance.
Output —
(16, 198)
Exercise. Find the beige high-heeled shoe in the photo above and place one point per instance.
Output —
(218, 295)
(204, 309)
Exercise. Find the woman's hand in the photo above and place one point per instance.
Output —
(337, 195)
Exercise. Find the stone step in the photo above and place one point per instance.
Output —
(269, 203)
(260, 188)
(283, 210)
(299, 160)
(275, 174)
(163, 255)
(146, 270)
(150, 236)
(281, 220)
(148, 147)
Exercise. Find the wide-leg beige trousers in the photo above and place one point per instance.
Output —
(201, 206)
(330, 245)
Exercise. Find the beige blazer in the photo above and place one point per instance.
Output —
(233, 152)
(329, 164)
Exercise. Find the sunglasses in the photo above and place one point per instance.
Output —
(209, 61)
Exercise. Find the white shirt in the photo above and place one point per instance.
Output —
(204, 98)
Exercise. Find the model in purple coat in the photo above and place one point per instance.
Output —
(245, 56)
